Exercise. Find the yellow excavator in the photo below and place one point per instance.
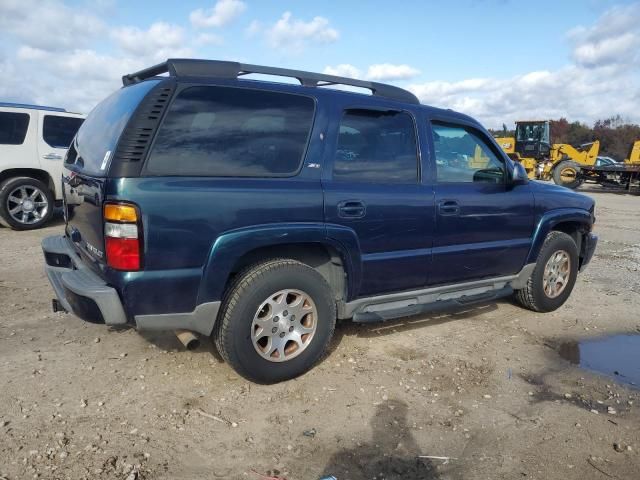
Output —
(532, 147)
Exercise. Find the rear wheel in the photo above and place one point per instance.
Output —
(567, 174)
(554, 275)
(25, 203)
(277, 320)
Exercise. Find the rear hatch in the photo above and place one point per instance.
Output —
(86, 175)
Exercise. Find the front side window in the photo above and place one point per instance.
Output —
(463, 156)
(58, 132)
(376, 146)
(13, 128)
(232, 132)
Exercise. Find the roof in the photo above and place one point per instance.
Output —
(32, 107)
(182, 67)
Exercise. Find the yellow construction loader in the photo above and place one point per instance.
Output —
(532, 147)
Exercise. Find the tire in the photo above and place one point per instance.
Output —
(566, 174)
(256, 298)
(535, 296)
(40, 206)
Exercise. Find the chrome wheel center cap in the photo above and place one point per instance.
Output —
(28, 206)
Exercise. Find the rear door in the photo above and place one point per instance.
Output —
(55, 133)
(483, 224)
(373, 187)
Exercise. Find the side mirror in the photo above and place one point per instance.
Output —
(519, 174)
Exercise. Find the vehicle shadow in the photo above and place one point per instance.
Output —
(392, 453)
(344, 328)
(604, 189)
(348, 328)
(169, 342)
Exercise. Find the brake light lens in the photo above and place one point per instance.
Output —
(121, 237)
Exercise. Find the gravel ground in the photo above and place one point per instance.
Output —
(484, 386)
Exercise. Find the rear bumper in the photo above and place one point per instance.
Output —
(86, 295)
(79, 290)
(590, 241)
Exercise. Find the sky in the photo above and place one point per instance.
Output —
(497, 60)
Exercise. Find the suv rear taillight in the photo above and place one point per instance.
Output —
(122, 236)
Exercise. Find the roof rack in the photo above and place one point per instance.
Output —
(35, 107)
(177, 67)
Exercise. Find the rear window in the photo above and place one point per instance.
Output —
(232, 132)
(58, 132)
(13, 128)
(99, 134)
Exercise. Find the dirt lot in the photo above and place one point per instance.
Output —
(484, 386)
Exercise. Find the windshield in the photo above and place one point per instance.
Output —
(99, 134)
(532, 132)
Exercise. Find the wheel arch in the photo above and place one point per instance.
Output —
(574, 222)
(36, 173)
(307, 243)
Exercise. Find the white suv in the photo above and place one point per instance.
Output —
(33, 143)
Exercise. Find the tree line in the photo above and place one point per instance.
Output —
(615, 134)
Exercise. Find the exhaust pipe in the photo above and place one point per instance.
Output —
(188, 339)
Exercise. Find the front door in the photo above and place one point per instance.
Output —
(483, 224)
(373, 189)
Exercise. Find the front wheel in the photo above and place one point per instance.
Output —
(276, 321)
(554, 275)
(567, 174)
(25, 203)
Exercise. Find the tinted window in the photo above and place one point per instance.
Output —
(13, 128)
(59, 131)
(100, 132)
(375, 146)
(463, 156)
(232, 132)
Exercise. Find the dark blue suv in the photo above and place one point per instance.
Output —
(258, 213)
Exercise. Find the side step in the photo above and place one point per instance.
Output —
(392, 310)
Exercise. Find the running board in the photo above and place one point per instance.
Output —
(384, 307)
(410, 310)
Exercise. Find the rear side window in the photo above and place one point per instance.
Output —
(13, 128)
(464, 156)
(232, 132)
(58, 132)
(376, 146)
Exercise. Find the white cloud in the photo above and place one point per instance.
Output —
(294, 35)
(343, 70)
(254, 28)
(49, 24)
(388, 71)
(159, 40)
(613, 39)
(377, 72)
(223, 12)
(209, 39)
(574, 92)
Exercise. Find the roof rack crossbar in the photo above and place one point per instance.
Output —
(233, 70)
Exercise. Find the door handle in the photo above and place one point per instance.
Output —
(352, 209)
(52, 156)
(448, 207)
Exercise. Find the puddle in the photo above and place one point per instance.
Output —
(616, 356)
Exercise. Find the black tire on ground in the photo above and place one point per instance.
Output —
(232, 334)
(533, 296)
(9, 186)
(566, 174)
